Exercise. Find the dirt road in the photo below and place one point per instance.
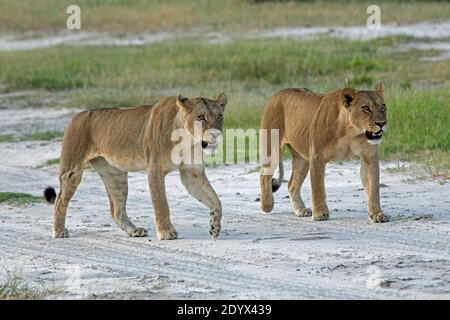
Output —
(257, 256)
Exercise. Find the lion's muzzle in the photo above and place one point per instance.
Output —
(374, 137)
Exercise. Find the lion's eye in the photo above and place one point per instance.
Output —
(383, 108)
(366, 109)
(201, 118)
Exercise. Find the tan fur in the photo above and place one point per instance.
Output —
(117, 141)
(319, 128)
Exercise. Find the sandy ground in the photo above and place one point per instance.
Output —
(257, 256)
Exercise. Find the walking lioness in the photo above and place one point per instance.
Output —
(118, 141)
(319, 128)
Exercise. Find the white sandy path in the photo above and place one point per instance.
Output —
(257, 256)
(424, 29)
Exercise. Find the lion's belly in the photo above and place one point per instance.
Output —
(129, 164)
(126, 163)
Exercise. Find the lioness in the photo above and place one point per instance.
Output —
(118, 141)
(318, 128)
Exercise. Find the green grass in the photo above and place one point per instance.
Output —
(35, 136)
(182, 64)
(52, 162)
(6, 138)
(122, 16)
(417, 92)
(15, 288)
(41, 136)
(47, 163)
(248, 71)
(247, 65)
(19, 198)
(418, 120)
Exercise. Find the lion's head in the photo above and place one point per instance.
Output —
(203, 118)
(367, 111)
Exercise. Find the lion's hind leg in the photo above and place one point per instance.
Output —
(73, 158)
(300, 168)
(116, 184)
(69, 182)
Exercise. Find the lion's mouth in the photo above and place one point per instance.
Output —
(209, 145)
(374, 137)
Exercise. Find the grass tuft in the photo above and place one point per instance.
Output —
(15, 288)
(42, 136)
(19, 198)
(35, 136)
(52, 162)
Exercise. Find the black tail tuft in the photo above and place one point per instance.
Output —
(50, 195)
(275, 185)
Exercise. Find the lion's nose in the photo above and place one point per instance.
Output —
(380, 124)
(215, 134)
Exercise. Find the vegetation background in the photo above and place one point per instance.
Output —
(249, 70)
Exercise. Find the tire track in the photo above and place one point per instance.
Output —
(255, 258)
(131, 260)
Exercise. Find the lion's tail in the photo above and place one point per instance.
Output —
(276, 182)
(50, 195)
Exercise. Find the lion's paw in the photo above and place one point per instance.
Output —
(168, 234)
(267, 204)
(320, 215)
(266, 208)
(379, 217)
(303, 212)
(214, 231)
(138, 232)
(61, 233)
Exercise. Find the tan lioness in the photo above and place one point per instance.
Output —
(319, 128)
(118, 141)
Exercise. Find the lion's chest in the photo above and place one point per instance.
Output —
(342, 149)
(341, 154)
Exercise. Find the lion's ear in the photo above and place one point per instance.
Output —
(183, 103)
(379, 88)
(348, 95)
(222, 100)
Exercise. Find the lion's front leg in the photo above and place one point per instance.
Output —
(164, 228)
(370, 178)
(317, 172)
(197, 184)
